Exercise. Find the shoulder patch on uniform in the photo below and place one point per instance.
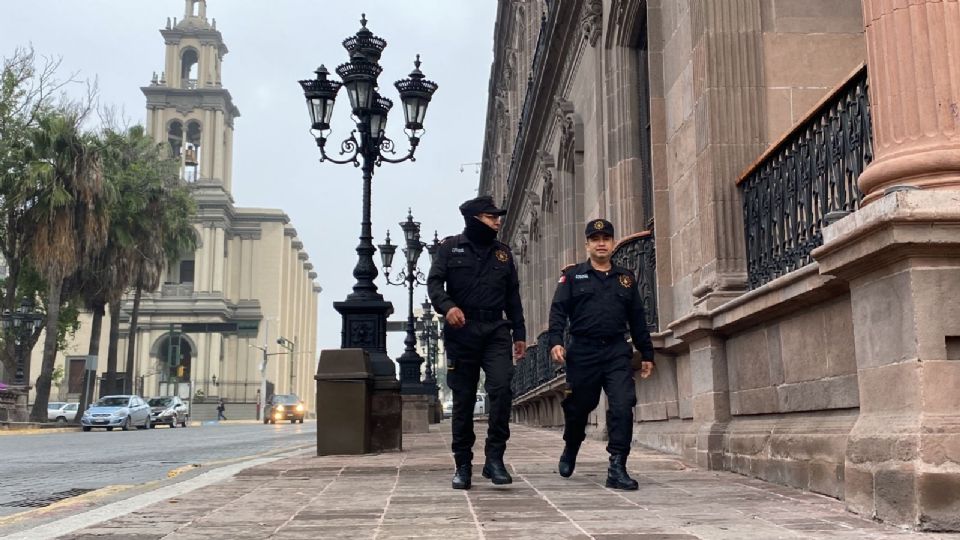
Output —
(563, 278)
(626, 281)
(502, 255)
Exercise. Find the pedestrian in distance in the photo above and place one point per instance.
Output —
(473, 283)
(221, 408)
(600, 301)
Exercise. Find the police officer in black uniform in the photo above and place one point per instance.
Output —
(599, 300)
(473, 283)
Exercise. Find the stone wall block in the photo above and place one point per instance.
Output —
(829, 393)
(755, 401)
(941, 449)
(827, 478)
(931, 284)
(896, 494)
(890, 389)
(939, 501)
(941, 387)
(804, 362)
(894, 447)
(747, 359)
(858, 489)
(839, 342)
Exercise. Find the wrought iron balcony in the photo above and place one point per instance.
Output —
(638, 254)
(535, 368)
(805, 182)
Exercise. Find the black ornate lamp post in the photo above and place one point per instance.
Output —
(430, 336)
(19, 325)
(365, 312)
(410, 276)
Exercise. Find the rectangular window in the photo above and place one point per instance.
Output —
(186, 271)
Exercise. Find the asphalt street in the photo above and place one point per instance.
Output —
(36, 466)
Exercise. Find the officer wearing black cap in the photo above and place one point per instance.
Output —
(600, 301)
(473, 283)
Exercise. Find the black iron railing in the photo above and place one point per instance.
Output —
(535, 368)
(806, 182)
(638, 254)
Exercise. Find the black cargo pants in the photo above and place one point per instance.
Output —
(592, 365)
(487, 346)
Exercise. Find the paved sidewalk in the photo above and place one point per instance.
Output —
(407, 495)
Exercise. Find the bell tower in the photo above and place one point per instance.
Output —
(187, 105)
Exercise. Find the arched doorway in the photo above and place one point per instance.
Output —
(175, 361)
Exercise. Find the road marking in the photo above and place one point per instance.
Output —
(119, 508)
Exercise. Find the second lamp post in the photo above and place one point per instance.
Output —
(410, 276)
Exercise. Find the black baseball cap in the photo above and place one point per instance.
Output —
(481, 205)
(598, 226)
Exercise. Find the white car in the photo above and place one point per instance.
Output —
(62, 412)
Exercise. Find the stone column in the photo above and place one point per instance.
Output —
(710, 385)
(912, 52)
(729, 113)
(901, 256)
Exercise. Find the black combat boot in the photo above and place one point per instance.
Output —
(617, 477)
(461, 477)
(496, 471)
(568, 460)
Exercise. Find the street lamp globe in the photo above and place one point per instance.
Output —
(415, 92)
(387, 251)
(321, 94)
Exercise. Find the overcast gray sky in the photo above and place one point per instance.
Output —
(273, 43)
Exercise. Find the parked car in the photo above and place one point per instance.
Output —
(117, 411)
(169, 410)
(52, 408)
(62, 412)
(284, 407)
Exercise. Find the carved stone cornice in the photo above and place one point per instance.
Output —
(591, 21)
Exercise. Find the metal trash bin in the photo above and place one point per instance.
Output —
(344, 389)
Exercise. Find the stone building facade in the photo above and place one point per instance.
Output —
(790, 296)
(250, 281)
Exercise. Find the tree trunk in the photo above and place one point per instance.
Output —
(96, 330)
(132, 333)
(112, 347)
(39, 412)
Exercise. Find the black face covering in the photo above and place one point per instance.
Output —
(478, 232)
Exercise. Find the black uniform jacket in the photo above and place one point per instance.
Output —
(599, 306)
(477, 279)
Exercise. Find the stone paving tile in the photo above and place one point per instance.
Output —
(407, 495)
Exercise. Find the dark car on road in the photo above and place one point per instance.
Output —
(284, 407)
(169, 410)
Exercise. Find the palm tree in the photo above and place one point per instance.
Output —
(66, 219)
(170, 234)
(149, 225)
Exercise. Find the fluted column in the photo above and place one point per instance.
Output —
(912, 52)
(728, 111)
